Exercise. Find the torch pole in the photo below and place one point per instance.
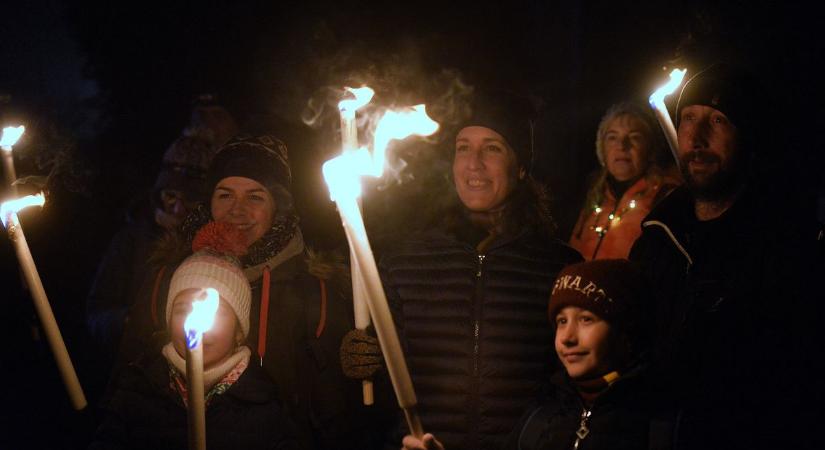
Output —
(8, 169)
(197, 407)
(44, 312)
(349, 143)
(382, 319)
(660, 109)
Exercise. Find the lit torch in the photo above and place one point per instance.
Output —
(199, 321)
(349, 144)
(657, 102)
(342, 175)
(8, 212)
(10, 137)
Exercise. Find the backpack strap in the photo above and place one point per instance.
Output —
(154, 300)
(264, 314)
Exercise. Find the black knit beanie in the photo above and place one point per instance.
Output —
(261, 158)
(508, 115)
(722, 87)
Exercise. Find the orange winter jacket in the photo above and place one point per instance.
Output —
(608, 230)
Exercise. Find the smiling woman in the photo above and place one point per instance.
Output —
(298, 314)
(469, 293)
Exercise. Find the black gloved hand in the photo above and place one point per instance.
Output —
(360, 355)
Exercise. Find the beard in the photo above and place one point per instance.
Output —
(711, 186)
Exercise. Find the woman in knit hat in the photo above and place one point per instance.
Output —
(299, 313)
(148, 407)
(633, 177)
(470, 294)
(601, 400)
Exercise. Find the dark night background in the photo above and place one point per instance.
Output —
(103, 89)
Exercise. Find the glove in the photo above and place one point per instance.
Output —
(360, 355)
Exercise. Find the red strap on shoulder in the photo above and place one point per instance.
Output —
(154, 300)
(264, 315)
(322, 321)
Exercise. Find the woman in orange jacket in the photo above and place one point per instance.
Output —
(634, 176)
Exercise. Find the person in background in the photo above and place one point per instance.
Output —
(179, 186)
(211, 117)
(634, 176)
(470, 294)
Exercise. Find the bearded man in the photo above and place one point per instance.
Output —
(727, 270)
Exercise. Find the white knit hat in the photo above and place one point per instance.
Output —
(207, 269)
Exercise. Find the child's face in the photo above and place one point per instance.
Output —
(583, 343)
(218, 343)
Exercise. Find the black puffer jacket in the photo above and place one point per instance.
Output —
(478, 342)
(144, 413)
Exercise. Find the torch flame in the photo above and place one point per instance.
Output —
(399, 125)
(363, 95)
(10, 136)
(343, 172)
(202, 317)
(676, 77)
(12, 207)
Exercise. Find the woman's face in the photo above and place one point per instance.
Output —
(626, 144)
(584, 344)
(245, 203)
(484, 169)
(218, 343)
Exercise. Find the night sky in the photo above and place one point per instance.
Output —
(105, 88)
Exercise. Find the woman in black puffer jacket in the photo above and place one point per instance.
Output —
(470, 295)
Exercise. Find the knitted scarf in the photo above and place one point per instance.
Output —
(216, 380)
(283, 229)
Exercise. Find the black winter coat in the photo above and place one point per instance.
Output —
(723, 289)
(627, 416)
(145, 413)
(477, 339)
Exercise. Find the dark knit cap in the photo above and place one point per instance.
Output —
(508, 115)
(262, 158)
(613, 289)
(724, 88)
(184, 166)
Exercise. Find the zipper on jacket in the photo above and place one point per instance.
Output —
(476, 308)
(583, 431)
(476, 325)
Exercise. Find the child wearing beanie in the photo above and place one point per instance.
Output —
(148, 406)
(602, 398)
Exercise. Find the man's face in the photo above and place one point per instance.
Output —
(708, 151)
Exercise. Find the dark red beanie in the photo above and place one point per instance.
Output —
(613, 289)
